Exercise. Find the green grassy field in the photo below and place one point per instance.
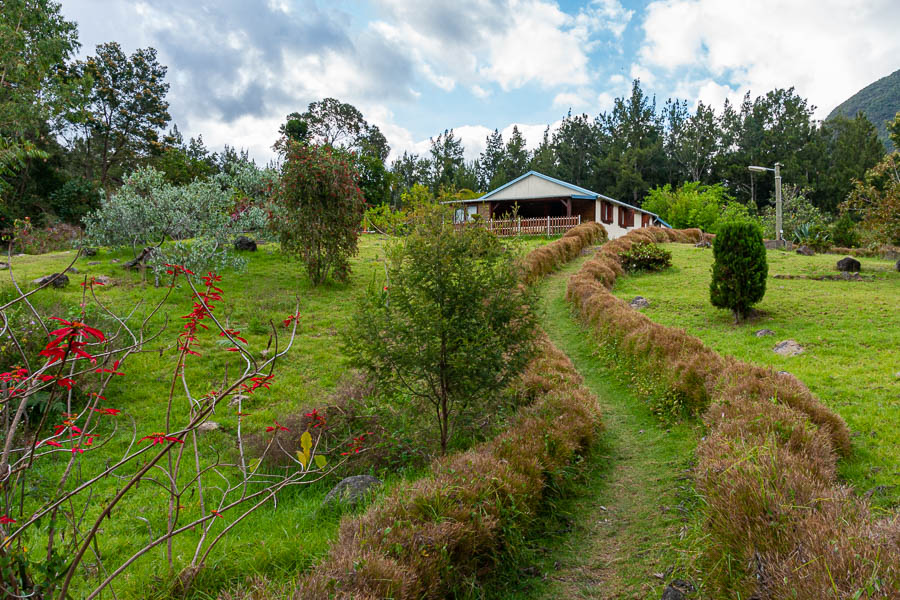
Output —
(277, 542)
(850, 331)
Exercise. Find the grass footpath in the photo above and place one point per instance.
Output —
(850, 331)
(615, 532)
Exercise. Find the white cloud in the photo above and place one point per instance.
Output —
(508, 42)
(567, 100)
(826, 49)
(480, 92)
(605, 101)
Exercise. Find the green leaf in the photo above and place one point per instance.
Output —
(320, 461)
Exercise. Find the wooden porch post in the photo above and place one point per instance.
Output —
(568, 204)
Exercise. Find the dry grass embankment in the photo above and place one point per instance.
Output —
(434, 536)
(779, 523)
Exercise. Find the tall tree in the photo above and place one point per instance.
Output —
(516, 159)
(543, 159)
(36, 85)
(691, 140)
(330, 122)
(409, 170)
(120, 120)
(447, 161)
(852, 147)
(634, 157)
(576, 146)
(490, 161)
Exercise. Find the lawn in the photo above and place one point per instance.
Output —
(850, 331)
(277, 542)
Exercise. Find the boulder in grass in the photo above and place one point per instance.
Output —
(806, 251)
(351, 490)
(788, 348)
(89, 252)
(849, 264)
(245, 244)
(764, 332)
(57, 280)
(639, 302)
(4, 266)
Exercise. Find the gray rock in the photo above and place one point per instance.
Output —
(4, 266)
(104, 280)
(764, 332)
(351, 490)
(245, 244)
(95, 262)
(57, 280)
(702, 244)
(806, 251)
(788, 348)
(114, 260)
(208, 426)
(72, 270)
(639, 302)
(848, 264)
(678, 589)
(89, 252)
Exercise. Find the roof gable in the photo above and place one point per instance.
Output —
(533, 185)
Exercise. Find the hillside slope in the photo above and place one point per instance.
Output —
(879, 100)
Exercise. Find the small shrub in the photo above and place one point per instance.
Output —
(740, 268)
(844, 232)
(645, 256)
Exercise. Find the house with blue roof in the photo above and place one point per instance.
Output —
(537, 196)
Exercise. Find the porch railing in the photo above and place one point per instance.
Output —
(534, 226)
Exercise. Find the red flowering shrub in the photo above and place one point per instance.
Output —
(318, 209)
(73, 369)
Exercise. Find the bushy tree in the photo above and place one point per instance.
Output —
(740, 269)
(876, 201)
(691, 205)
(189, 225)
(319, 207)
(451, 326)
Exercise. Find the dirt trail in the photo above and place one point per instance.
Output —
(617, 529)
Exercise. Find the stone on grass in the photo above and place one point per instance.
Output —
(245, 244)
(848, 264)
(72, 270)
(639, 302)
(114, 260)
(764, 332)
(208, 426)
(94, 262)
(703, 244)
(351, 490)
(805, 251)
(104, 280)
(678, 589)
(89, 252)
(4, 266)
(57, 280)
(788, 348)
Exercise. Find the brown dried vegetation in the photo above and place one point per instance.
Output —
(779, 524)
(430, 537)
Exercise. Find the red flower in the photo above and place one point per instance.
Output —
(277, 427)
(113, 370)
(93, 281)
(53, 443)
(65, 382)
(6, 520)
(97, 395)
(290, 319)
(75, 329)
(233, 333)
(176, 269)
(159, 438)
(356, 445)
(14, 375)
(107, 411)
(77, 449)
(217, 513)
(46, 377)
(318, 420)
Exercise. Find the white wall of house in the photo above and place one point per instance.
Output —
(532, 187)
(613, 229)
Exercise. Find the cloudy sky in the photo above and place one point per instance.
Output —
(417, 67)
